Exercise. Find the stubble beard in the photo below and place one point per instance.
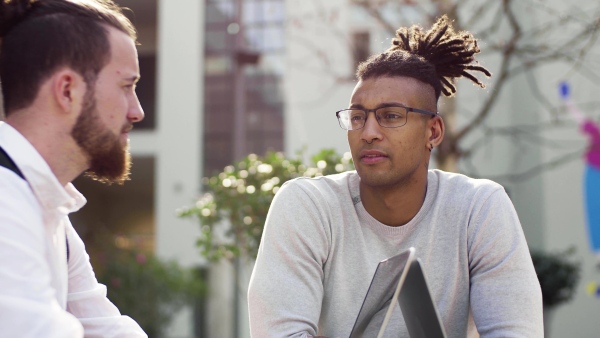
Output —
(392, 178)
(110, 161)
(380, 180)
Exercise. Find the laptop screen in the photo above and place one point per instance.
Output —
(400, 279)
(384, 284)
(418, 309)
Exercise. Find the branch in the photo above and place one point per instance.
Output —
(375, 13)
(448, 8)
(541, 98)
(538, 169)
(563, 52)
(504, 73)
(523, 135)
(479, 13)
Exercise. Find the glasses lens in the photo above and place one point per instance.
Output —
(391, 117)
(352, 119)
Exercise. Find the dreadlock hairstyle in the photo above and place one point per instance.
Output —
(38, 37)
(435, 57)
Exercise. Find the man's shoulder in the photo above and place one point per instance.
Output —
(462, 183)
(18, 204)
(336, 182)
(322, 188)
(458, 189)
(15, 190)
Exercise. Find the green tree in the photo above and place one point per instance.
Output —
(238, 199)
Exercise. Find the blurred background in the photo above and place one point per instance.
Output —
(222, 79)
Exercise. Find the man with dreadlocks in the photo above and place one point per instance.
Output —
(324, 236)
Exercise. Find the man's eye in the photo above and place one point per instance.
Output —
(392, 116)
(357, 117)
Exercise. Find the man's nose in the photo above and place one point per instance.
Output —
(136, 112)
(372, 130)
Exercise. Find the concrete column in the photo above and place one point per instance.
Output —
(179, 134)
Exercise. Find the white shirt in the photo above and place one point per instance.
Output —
(41, 295)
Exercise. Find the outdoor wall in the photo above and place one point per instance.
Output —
(564, 225)
(179, 135)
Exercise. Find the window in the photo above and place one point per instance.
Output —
(259, 53)
(360, 48)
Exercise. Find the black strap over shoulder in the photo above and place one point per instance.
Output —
(7, 162)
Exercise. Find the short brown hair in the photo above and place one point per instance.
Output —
(41, 36)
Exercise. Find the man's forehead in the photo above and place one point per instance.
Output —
(124, 57)
(403, 90)
(393, 80)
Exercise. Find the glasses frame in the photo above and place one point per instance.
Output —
(367, 111)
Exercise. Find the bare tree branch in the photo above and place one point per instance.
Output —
(566, 51)
(538, 169)
(479, 13)
(376, 14)
(538, 95)
(502, 77)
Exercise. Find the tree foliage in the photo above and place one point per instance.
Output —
(233, 210)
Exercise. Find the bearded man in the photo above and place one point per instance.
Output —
(68, 71)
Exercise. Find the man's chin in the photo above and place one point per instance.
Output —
(112, 169)
(119, 180)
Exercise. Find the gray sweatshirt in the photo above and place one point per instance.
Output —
(320, 248)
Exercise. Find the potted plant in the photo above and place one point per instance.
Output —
(148, 289)
(558, 275)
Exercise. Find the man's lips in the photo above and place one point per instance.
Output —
(125, 133)
(372, 156)
(127, 129)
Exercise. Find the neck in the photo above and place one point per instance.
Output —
(53, 142)
(394, 205)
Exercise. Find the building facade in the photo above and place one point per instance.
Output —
(222, 79)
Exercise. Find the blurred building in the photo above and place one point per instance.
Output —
(211, 89)
(224, 78)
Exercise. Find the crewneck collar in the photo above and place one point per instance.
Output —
(386, 230)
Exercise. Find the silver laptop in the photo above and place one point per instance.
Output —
(400, 279)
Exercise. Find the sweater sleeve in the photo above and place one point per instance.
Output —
(506, 299)
(286, 287)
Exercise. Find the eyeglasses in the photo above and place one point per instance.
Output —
(387, 117)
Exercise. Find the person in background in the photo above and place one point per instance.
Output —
(68, 72)
(592, 170)
(324, 237)
(592, 185)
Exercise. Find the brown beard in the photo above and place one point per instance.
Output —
(110, 162)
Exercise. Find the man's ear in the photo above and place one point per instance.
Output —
(436, 129)
(68, 89)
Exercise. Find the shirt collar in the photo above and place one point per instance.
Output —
(48, 190)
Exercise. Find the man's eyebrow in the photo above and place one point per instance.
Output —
(381, 105)
(356, 106)
(133, 78)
